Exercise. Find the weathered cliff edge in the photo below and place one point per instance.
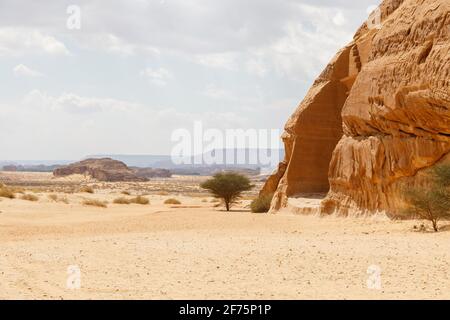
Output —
(375, 118)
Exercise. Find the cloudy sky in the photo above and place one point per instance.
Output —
(138, 69)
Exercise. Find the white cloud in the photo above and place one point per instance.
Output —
(20, 41)
(339, 19)
(70, 127)
(285, 44)
(225, 60)
(257, 66)
(74, 103)
(214, 92)
(159, 77)
(22, 70)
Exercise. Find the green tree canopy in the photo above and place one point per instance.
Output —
(227, 186)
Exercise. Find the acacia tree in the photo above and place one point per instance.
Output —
(432, 203)
(227, 186)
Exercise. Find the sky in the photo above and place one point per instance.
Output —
(135, 71)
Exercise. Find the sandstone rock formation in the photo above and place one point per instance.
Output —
(376, 117)
(150, 173)
(105, 169)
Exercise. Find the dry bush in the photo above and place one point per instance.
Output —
(431, 202)
(204, 200)
(64, 200)
(95, 203)
(6, 192)
(172, 201)
(127, 193)
(54, 197)
(122, 200)
(87, 189)
(29, 197)
(162, 193)
(17, 190)
(140, 200)
(261, 204)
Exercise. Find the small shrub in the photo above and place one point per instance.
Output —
(172, 201)
(261, 204)
(431, 203)
(122, 200)
(29, 197)
(140, 200)
(18, 190)
(95, 203)
(162, 193)
(63, 200)
(6, 192)
(69, 190)
(127, 193)
(54, 197)
(87, 189)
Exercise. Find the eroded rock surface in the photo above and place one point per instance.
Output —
(382, 105)
(105, 169)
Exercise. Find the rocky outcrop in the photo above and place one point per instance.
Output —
(105, 169)
(376, 116)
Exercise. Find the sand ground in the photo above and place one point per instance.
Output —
(197, 251)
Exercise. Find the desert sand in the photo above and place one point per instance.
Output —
(197, 251)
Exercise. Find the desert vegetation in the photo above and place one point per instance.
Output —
(172, 201)
(122, 200)
(136, 200)
(87, 189)
(6, 192)
(29, 197)
(431, 202)
(95, 203)
(261, 204)
(227, 187)
(140, 200)
(54, 197)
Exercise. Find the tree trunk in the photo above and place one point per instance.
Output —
(227, 205)
(435, 226)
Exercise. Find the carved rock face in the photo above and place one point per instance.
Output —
(382, 105)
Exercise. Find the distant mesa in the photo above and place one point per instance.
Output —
(105, 169)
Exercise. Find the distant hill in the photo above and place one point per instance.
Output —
(250, 162)
(33, 165)
(165, 161)
(140, 161)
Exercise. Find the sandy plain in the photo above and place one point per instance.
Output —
(197, 251)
